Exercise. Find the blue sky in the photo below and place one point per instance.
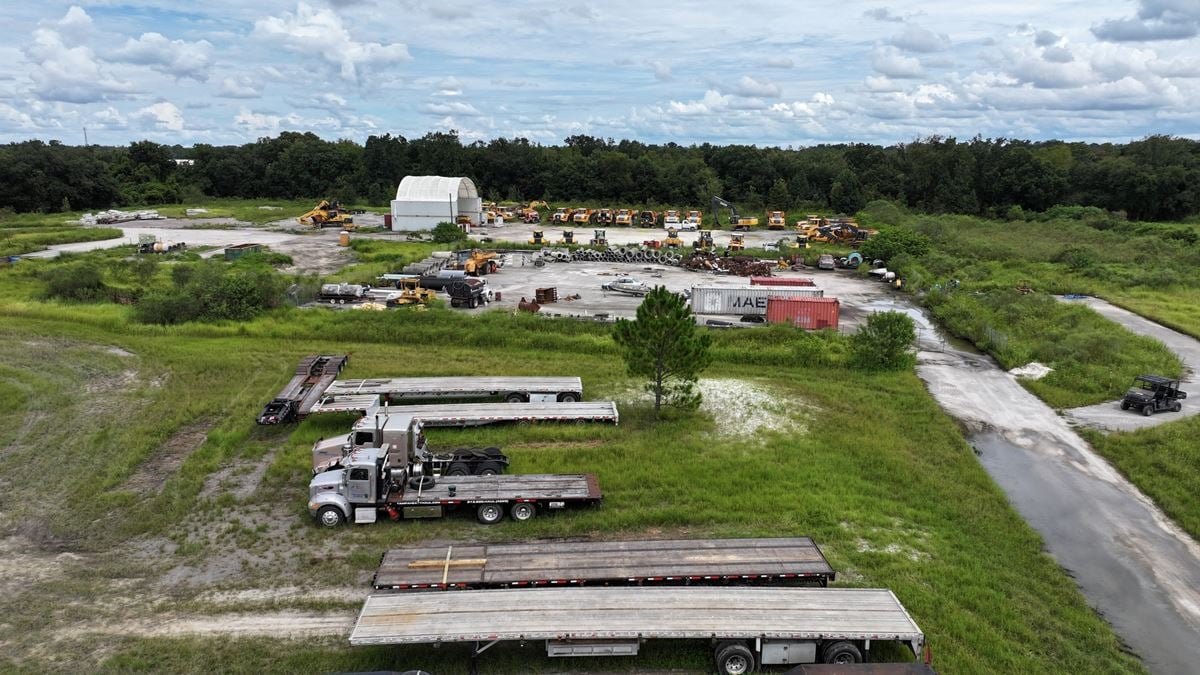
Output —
(769, 73)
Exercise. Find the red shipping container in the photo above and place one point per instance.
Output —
(781, 281)
(806, 313)
(387, 220)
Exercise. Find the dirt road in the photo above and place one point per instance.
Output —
(1133, 564)
(1108, 416)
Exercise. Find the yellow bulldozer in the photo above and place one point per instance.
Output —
(475, 262)
(328, 214)
(568, 237)
(672, 240)
(737, 242)
(537, 237)
(410, 293)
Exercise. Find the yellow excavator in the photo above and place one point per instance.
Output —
(328, 214)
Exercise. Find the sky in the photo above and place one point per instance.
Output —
(769, 73)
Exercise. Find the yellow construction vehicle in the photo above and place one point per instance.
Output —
(705, 242)
(599, 238)
(475, 262)
(537, 204)
(672, 240)
(582, 216)
(538, 238)
(695, 218)
(410, 293)
(737, 242)
(328, 214)
(568, 237)
(776, 220)
(738, 222)
(648, 219)
(604, 217)
(530, 216)
(624, 217)
(671, 218)
(561, 216)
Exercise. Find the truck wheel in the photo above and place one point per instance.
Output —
(489, 514)
(568, 397)
(1177, 407)
(842, 653)
(1148, 409)
(488, 469)
(458, 469)
(1124, 405)
(522, 512)
(734, 659)
(514, 398)
(330, 516)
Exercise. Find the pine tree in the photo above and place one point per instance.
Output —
(665, 345)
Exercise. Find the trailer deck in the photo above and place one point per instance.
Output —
(529, 487)
(465, 386)
(632, 613)
(571, 563)
(478, 414)
(314, 374)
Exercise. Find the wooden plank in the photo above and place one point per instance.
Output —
(615, 561)
(615, 612)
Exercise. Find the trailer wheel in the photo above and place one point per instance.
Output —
(734, 659)
(522, 512)
(330, 516)
(842, 653)
(1177, 407)
(515, 397)
(568, 397)
(489, 514)
(458, 469)
(488, 469)
(1148, 409)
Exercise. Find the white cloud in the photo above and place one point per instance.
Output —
(890, 62)
(883, 14)
(76, 26)
(778, 62)
(162, 116)
(447, 108)
(1155, 20)
(322, 32)
(238, 87)
(921, 40)
(662, 72)
(178, 58)
(749, 87)
(1045, 38)
(71, 74)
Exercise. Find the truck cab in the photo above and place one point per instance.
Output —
(354, 492)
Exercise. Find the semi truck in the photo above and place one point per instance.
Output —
(369, 485)
(744, 626)
(653, 562)
(404, 435)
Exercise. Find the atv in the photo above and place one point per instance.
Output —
(1152, 393)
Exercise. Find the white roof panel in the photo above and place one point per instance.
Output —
(435, 188)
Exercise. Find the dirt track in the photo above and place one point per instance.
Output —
(1108, 416)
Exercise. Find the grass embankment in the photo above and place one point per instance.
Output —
(1138, 265)
(19, 241)
(884, 483)
(1163, 461)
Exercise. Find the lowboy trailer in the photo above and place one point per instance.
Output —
(510, 389)
(744, 625)
(606, 563)
(313, 375)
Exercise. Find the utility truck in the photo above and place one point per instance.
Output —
(369, 484)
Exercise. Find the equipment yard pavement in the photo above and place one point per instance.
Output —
(1108, 416)
(1135, 566)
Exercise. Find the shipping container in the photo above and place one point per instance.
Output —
(806, 313)
(743, 300)
(782, 281)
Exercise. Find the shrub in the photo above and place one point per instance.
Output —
(884, 343)
(75, 281)
(892, 242)
(448, 233)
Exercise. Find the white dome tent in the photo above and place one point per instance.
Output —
(424, 201)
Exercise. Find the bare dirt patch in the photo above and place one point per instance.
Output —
(154, 472)
(22, 562)
(743, 408)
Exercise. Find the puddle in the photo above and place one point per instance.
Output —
(1126, 564)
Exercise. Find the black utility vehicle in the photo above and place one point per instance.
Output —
(1151, 393)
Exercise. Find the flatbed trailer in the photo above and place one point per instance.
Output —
(479, 414)
(314, 374)
(606, 563)
(521, 495)
(746, 625)
(510, 389)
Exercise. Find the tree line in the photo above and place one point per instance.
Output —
(1155, 178)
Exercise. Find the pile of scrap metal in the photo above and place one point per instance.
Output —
(740, 265)
(528, 305)
(632, 254)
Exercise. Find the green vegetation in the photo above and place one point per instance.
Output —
(213, 291)
(665, 345)
(1164, 462)
(159, 479)
(885, 342)
(448, 233)
(22, 240)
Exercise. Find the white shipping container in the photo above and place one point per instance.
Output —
(743, 300)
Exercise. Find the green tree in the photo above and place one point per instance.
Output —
(778, 197)
(447, 233)
(846, 195)
(884, 342)
(895, 241)
(664, 344)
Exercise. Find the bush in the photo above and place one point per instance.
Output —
(884, 343)
(895, 241)
(212, 291)
(75, 281)
(448, 233)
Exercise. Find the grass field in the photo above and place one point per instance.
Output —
(160, 491)
(1163, 461)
